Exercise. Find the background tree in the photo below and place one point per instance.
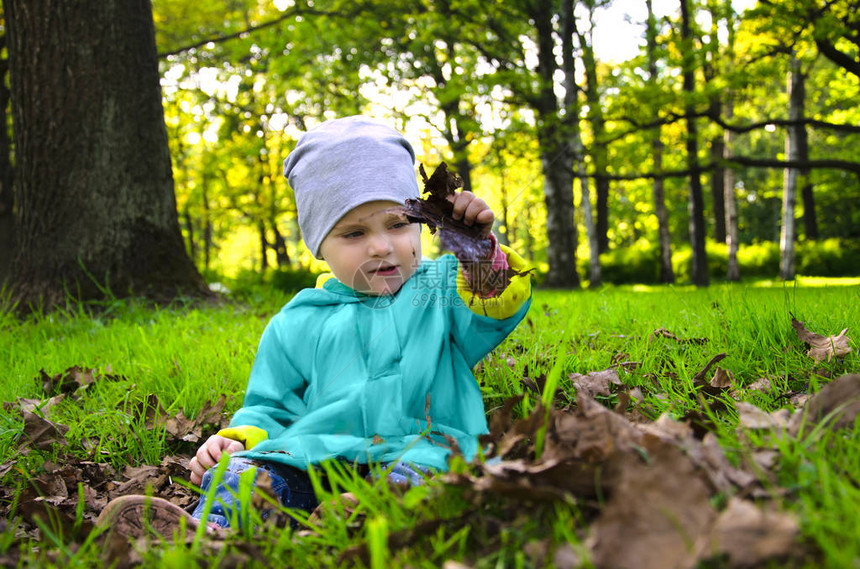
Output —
(483, 86)
(94, 198)
(696, 202)
(667, 274)
(7, 175)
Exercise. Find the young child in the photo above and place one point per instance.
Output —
(374, 365)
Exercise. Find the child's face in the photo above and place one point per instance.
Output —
(373, 249)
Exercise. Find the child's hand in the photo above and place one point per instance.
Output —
(209, 454)
(472, 210)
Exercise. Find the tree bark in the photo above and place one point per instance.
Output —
(731, 204)
(789, 195)
(699, 271)
(96, 213)
(7, 176)
(667, 273)
(717, 180)
(810, 221)
(599, 152)
(571, 103)
(733, 272)
(556, 160)
(280, 245)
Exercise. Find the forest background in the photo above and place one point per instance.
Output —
(727, 146)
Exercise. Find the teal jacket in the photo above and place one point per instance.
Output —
(367, 379)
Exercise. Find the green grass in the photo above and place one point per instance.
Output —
(187, 355)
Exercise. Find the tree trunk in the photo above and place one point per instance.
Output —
(280, 246)
(7, 219)
(810, 221)
(599, 152)
(713, 58)
(264, 246)
(571, 103)
(556, 161)
(189, 228)
(207, 224)
(667, 273)
(717, 179)
(731, 203)
(699, 271)
(792, 154)
(95, 202)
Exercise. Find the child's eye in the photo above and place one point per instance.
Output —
(399, 224)
(352, 235)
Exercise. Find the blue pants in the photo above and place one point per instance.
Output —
(291, 486)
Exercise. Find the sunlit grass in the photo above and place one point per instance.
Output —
(187, 354)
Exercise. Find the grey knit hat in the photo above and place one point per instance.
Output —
(342, 164)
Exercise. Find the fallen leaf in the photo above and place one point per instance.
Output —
(595, 383)
(837, 402)
(699, 378)
(42, 433)
(762, 384)
(822, 347)
(723, 378)
(658, 516)
(754, 418)
(751, 536)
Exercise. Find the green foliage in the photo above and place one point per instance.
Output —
(285, 280)
(759, 259)
(829, 258)
(640, 263)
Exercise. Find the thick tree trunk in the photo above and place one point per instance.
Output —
(95, 202)
(792, 154)
(696, 202)
(556, 161)
(667, 273)
(7, 219)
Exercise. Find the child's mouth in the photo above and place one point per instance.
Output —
(385, 271)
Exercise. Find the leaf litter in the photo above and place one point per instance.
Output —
(650, 490)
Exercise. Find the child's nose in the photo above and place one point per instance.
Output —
(379, 245)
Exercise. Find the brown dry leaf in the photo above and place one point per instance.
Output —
(723, 378)
(72, 380)
(668, 429)
(42, 433)
(822, 347)
(699, 378)
(658, 516)
(754, 418)
(712, 461)
(664, 333)
(179, 426)
(595, 382)
(838, 402)
(751, 536)
(592, 432)
(762, 384)
(41, 406)
(544, 481)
